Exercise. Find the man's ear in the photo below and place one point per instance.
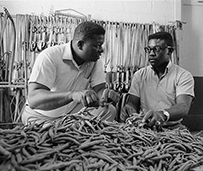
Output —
(80, 44)
(170, 51)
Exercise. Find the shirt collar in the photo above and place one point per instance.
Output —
(68, 55)
(169, 65)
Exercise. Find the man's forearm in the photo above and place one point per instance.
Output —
(178, 111)
(46, 100)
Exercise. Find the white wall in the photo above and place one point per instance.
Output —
(192, 37)
(141, 11)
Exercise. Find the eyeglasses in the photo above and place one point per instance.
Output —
(155, 49)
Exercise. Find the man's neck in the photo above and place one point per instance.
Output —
(161, 69)
(79, 61)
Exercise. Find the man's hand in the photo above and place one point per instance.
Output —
(108, 96)
(88, 98)
(154, 119)
(126, 112)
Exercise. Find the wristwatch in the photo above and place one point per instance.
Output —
(165, 114)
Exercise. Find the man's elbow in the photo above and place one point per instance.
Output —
(32, 102)
(186, 109)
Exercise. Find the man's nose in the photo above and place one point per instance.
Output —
(101, 50)
(152, 52)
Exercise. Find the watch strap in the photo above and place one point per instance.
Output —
(166, 113)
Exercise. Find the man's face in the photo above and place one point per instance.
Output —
(92, 48)
(158, 53)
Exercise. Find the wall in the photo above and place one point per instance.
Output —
(192, 50)
(192, 58)
(145, 11)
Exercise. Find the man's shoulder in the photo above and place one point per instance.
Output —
(58, 50)
(180, 69)
(181, 73)
(143, 72)
(145, 69)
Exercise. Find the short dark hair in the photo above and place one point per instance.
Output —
(86, 30)
(162, 36)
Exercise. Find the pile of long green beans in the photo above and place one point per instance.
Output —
(82, 143)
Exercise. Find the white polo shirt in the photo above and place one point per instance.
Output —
(155, 93)
(56, 69)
